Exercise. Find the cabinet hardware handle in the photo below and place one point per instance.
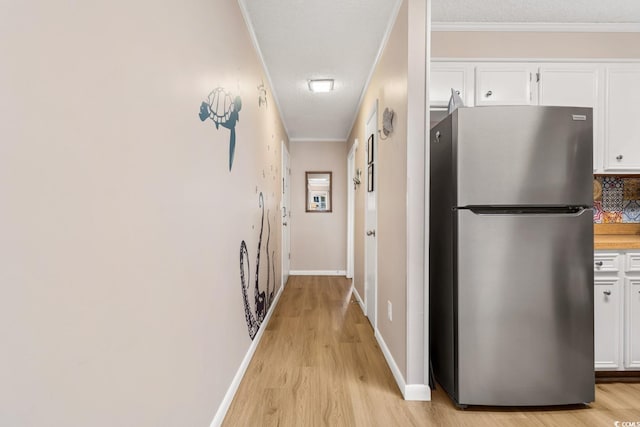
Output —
(284, 223)
(607, 293)
(371, 233)
(458, 92)
(619, 157)
(599, 263)
(489, 93)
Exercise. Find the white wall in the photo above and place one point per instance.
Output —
(318, 240)
(121, 223)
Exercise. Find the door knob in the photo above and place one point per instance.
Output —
(371, 233)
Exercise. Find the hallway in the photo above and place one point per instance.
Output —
(318, 364)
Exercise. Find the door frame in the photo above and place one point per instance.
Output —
(285, 203)
(371, 311)
(351, 200)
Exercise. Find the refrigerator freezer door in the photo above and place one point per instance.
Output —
(525, 155)
(525, 309)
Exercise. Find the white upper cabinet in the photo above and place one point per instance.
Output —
(446, 76)
(622, 122)
(574, 85)
(505, 84)
(611, 89)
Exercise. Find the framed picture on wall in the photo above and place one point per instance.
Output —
(370, 178)
(370, 150)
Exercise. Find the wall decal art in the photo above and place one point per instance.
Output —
(223, 109)
(263, 299)
(262, 96)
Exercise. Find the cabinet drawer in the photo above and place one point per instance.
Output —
(632, 262)
(607, 263)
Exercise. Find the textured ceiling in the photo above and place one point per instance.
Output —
(554, 11)
(309, 39)
(340, 39)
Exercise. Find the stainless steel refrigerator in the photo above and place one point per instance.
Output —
(511, 255)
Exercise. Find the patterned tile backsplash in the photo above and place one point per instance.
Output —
(616, 199)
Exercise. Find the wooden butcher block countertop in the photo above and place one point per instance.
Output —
(616, 236)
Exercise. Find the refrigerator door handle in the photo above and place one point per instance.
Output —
(528, 211)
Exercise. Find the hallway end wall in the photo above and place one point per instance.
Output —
(318, 240)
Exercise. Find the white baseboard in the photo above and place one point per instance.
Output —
(420, 392)
(233, 388)
(359, 299)
(318, 272)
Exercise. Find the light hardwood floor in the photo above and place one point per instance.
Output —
(318, 364)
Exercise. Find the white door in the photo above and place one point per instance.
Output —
(286, 214)
(574, 85)
(505, 84)
(607, 323)
(351, 193)
(371, 217)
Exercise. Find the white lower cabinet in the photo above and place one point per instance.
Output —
(632, 322)
(607, 323)
(617, 310)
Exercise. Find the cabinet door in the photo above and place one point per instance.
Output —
(607, 323)
(574, 85)
(622, 124)
(446, 76)
(632, 324)
(505, 84)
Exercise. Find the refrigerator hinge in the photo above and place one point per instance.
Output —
(538, 77)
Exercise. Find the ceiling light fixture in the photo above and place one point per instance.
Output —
(323, 85)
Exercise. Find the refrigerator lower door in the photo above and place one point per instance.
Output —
(525, 309)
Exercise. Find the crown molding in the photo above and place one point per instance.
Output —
(317, 140)
(552, 27)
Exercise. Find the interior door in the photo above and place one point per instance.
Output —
(371, 217)
(351, 194)
(286, 214)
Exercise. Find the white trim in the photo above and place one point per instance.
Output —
(391, 362)
(256, 46)
(427, 211)
(235, 383)
(383, 44)
(416, 142)
(551, 27)
(318, 273)
(358, 298)
(549, 60)
(319, 139)
(420, 392)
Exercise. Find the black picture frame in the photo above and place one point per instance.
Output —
(370, 150)
(370, 178)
